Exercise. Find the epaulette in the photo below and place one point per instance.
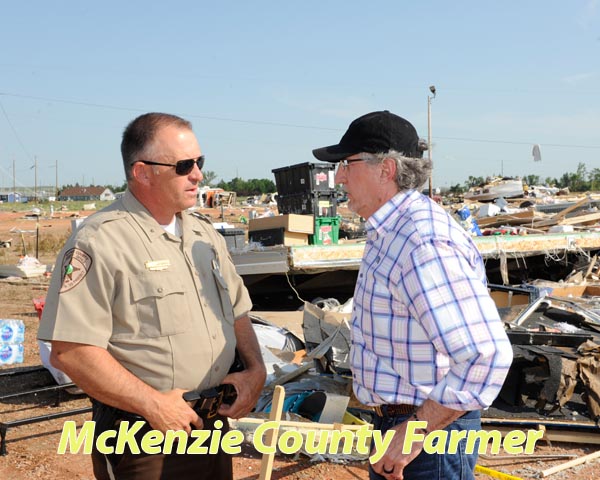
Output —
(94, 221)
(201, 216)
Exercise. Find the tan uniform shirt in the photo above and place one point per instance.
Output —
(163, 306)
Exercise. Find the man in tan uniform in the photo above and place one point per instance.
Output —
(145, 304)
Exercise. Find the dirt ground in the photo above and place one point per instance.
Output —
(31, 448)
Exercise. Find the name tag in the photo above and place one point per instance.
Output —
(154, 265)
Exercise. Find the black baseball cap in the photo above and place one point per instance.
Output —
(375, 132)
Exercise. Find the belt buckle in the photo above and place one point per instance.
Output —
(213, 403)
(207, 401)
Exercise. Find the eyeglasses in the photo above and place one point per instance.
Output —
(182, 167)
(345, 163)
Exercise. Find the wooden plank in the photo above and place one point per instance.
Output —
(591, 266)
(571, 463)
(528, 245)
(590, 217)
(571, 436)
(559, 217)
(266, 465)
(316, 259)
(570, 208)
(534, 422)
(518, 218)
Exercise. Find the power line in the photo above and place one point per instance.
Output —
(14, 131)
(259, 122)
(190, 115)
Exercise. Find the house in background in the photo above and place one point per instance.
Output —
(11, 197)
(86, 194)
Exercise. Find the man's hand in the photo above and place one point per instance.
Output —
(97, 372)
(391, 465)
(248, 384)
(172, 412)
(393, 462)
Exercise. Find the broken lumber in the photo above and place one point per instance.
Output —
(266, 465)
(571, 463)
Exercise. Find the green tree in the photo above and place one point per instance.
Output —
(456, 189)
(594, 177)
(581, 182)
(253, 186)
(474, 181)
(576, 182)
(209, 177)
(532, 179)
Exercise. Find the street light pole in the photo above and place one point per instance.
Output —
(429, 99)
(35, 180)
(14, 182)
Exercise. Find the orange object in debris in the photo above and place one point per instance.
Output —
(212, 197)
(39, 303)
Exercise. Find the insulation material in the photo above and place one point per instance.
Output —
(589, 372)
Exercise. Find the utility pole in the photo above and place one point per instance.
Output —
(35, 180)
(429, 99)
(56, 179)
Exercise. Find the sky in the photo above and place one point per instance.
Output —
(265, 82)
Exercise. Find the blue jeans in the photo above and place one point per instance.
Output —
(455, 466)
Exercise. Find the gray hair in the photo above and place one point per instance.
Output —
(411, 173)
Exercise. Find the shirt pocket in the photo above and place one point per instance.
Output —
(160, 302)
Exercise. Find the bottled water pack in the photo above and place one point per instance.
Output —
(12, 336)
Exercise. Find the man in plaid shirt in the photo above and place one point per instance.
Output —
(427, 340)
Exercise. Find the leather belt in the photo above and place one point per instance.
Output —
(391, 410)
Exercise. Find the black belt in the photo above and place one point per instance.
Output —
(391, 410)
(207, 405)
(209, 401)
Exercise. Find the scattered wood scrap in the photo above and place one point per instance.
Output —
(571, 463)
(518, 218)
(584, 219)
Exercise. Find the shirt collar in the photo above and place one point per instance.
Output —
(390, 211)
(143, 217)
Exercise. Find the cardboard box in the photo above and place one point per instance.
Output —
(277, 236)
(290, 223)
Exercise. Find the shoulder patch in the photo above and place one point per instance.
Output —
(75, 266)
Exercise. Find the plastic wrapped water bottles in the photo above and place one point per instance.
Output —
(12, 336)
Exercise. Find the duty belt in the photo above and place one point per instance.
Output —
(209, 401)
(207, 404)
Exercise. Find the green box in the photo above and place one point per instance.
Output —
(327, 231)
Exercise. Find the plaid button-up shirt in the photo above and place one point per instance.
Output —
(424, 325)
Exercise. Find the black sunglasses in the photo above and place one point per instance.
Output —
(182, 167)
